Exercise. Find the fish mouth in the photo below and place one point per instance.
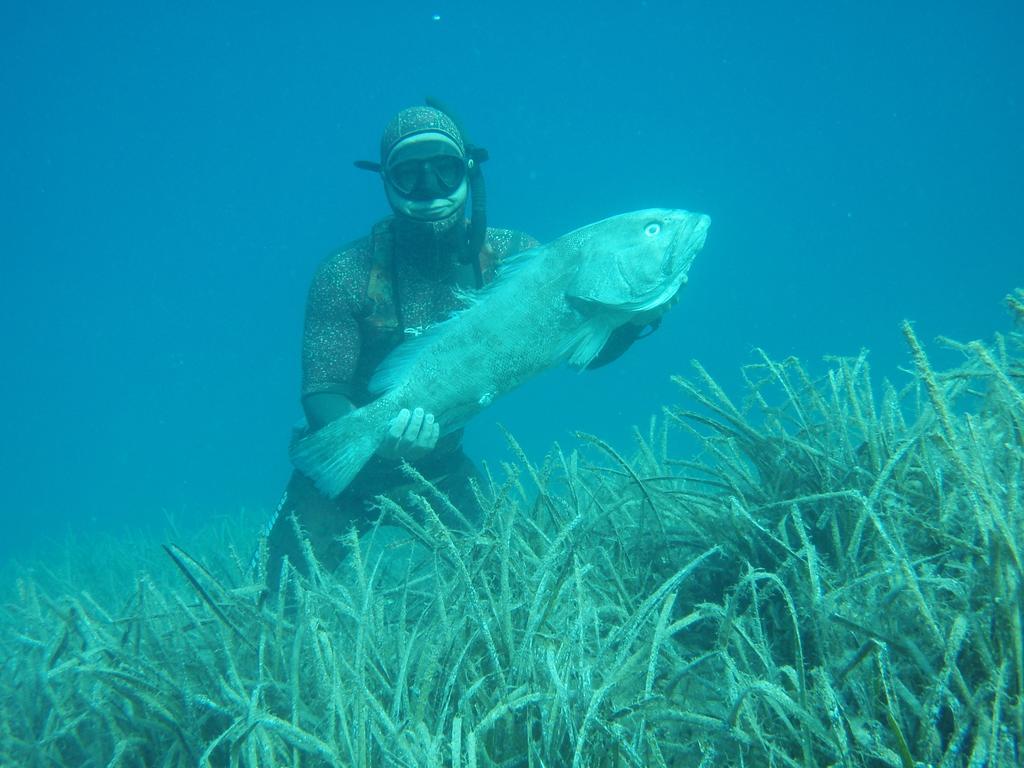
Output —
(691, 237)
(695, 230)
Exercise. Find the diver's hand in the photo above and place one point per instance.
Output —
(411, 435)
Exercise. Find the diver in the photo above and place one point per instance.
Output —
(372, 294)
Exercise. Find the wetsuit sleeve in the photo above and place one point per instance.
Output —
(505, 242)
(622, 338)
(331, 337)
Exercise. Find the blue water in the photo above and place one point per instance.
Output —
(171, 174)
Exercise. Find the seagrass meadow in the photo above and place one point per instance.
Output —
(832, 577)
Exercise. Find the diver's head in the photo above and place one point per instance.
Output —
(424, 167)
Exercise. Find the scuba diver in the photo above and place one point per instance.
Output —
(371, 295)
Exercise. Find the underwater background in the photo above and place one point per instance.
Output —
(171, 175)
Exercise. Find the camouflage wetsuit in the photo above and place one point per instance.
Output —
(363, 302)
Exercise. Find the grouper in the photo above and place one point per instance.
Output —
(549, 305)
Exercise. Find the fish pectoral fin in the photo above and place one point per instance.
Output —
(588, 342)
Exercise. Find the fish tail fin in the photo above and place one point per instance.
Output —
(335, 453)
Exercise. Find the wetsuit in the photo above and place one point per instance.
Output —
(363, 302)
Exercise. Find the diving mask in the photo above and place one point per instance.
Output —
(425, 167)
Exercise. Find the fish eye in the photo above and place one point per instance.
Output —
(652, 229)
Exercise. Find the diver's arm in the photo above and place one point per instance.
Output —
(324, 407)
(331, 346)
(622, 338)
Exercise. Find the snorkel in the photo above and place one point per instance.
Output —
(477, 229)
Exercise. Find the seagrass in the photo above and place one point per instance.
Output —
(832, 578)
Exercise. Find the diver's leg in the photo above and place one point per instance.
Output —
(321, 521)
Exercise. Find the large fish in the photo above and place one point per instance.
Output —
(551, 304)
